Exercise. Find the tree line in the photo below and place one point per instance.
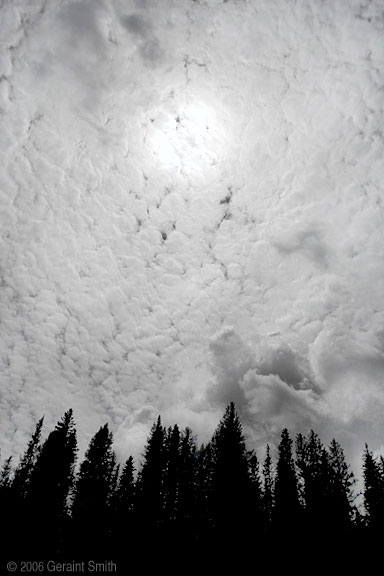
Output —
(182, 496)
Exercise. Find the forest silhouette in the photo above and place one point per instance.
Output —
(183, 498)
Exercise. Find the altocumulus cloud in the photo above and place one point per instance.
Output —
(190, 214)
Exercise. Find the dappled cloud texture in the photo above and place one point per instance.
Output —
(190, 213)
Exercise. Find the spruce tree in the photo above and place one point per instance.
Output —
(255, 497)
(231, 483)
(268, 493)
(49, 487)
(314, 480)
(123, 511)
(91, 508)
(287, 508)
(150, 485)
(171, 475)
(341, 484)
(14, 510)
(373, 492)
(5, 475)
(187, 490)
(126, 488)
(27, 461)
(204, 495)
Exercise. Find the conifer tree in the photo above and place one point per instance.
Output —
(15, 508)
(91, 508)
(314, 474)
(341, 485)
(231, 483)
(287, 508)
(123, 503)
(126, 488)
(171, 474)
(27, 461)
(187, 491)
(204, 496)
(49, 486)
(373, 492)
(268, 497)
(150, 484)
(5, 475)
(255, 497)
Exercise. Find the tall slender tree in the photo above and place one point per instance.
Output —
(268, 492)
(187, 492)
(150, 484)
(287, 507)
(204, 494)
(231, 482)
(27, 461)
(341, 483)
(123, 513)
(314, 480)
(49, 487)
(373, 491)
(91, 508)
(171, 475)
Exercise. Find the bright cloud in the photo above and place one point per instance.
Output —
(173, 169)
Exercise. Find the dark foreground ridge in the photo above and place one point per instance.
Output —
(184, 502)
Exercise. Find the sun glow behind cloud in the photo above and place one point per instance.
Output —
(192, 139)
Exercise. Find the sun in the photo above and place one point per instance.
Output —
(189, 138)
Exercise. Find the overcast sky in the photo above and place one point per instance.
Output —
(191, 213)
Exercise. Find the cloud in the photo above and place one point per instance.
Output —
(149, 45)
(124, 126)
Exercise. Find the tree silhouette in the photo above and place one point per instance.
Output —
(204, 496)
(342, 480)
(171, 475)
(49, 486)
(27, 461)
(231, 486)
(123, 511)
(268, 493)
(315, 476)
(150, 485)
(212, 499)
(91, 508)
(287, 507)
(373, 492)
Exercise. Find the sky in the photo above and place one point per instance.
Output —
(191, 213)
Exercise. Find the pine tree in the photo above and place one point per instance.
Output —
(341, 484)
(49, 486)
(373, 492)
(91, 508)
(171, 475)
(150, 484)
(123, 511)
(255, 497)
(287, 508)
(27, 461)
(231, 483)
(204, 493)
(5, 475)
(14, 508)
(268, 495)
(187, 492)
(314, 480)
(126, 488)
